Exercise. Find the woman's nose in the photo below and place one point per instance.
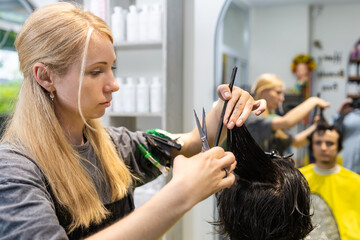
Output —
(112, 86)
(282, 98)
(115, 86)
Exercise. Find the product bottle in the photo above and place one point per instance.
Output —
(132, 25)
(118, 101)
(358, 50)
(156, 95)
(129, 95)
(144, 17)
(98, 7)
(142, 96)
(118, 25)
(155, 23)
(353, 70)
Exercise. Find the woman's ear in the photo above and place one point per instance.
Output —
(43, 76)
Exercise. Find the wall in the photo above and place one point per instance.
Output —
(277, 34)
(199, 30)
(335, 27)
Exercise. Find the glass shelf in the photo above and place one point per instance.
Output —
(354, 78)
(354, 60)
(353, 95)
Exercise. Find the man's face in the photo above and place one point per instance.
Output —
(325, 148)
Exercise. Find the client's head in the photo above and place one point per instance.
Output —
(270, 198)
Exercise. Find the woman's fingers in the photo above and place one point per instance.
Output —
(237, 109)
(203, 174)
(223, 92)
(240, 105)
(227, 160)
(259, 106)
(227, 164)
(227, 181)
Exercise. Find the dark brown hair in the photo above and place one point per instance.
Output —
(270, 198)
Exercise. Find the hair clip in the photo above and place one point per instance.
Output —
(275, 154)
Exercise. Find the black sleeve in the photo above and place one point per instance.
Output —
(126, 143)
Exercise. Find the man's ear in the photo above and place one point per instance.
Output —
(43, 76)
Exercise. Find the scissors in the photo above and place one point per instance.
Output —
(203, 135)
(202, 131)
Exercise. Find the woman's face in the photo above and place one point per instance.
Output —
(302, 72)
(97, 86)
(273, 97)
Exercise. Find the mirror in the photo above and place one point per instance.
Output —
(231, 44)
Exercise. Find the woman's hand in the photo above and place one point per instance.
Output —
(321, 102)
(345, 107)
(240, 105)
(203, 174)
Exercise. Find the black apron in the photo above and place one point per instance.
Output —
(117, 209)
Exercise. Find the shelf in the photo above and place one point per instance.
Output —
(139, 45)
(133, 114)
(354, 60)
(353, 95)
(354, 79)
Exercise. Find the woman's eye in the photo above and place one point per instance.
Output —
(113, 67)
(95, 73)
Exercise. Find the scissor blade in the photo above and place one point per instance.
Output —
(198, 124)
(205, 145)
(204, 123)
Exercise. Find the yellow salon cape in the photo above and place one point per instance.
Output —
(341, 191)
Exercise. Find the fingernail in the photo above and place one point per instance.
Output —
(231, 125)
(226, 95)
(239, 122)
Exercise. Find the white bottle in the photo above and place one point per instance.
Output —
(156, 95)
(118, 25)
(118, 101)
(129, 95)
(155, 22)
(132, 25)
(142, 96)
(144, 17)
(98, 7)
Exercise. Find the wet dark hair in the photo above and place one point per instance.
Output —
(322, 126)
(270, 198)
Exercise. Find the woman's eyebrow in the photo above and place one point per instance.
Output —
(97, 63)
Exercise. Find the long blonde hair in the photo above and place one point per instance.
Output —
(55, 35)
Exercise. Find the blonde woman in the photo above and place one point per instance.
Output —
(62, 174)
(268, 129)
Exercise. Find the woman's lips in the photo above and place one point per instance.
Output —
(106, 104)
